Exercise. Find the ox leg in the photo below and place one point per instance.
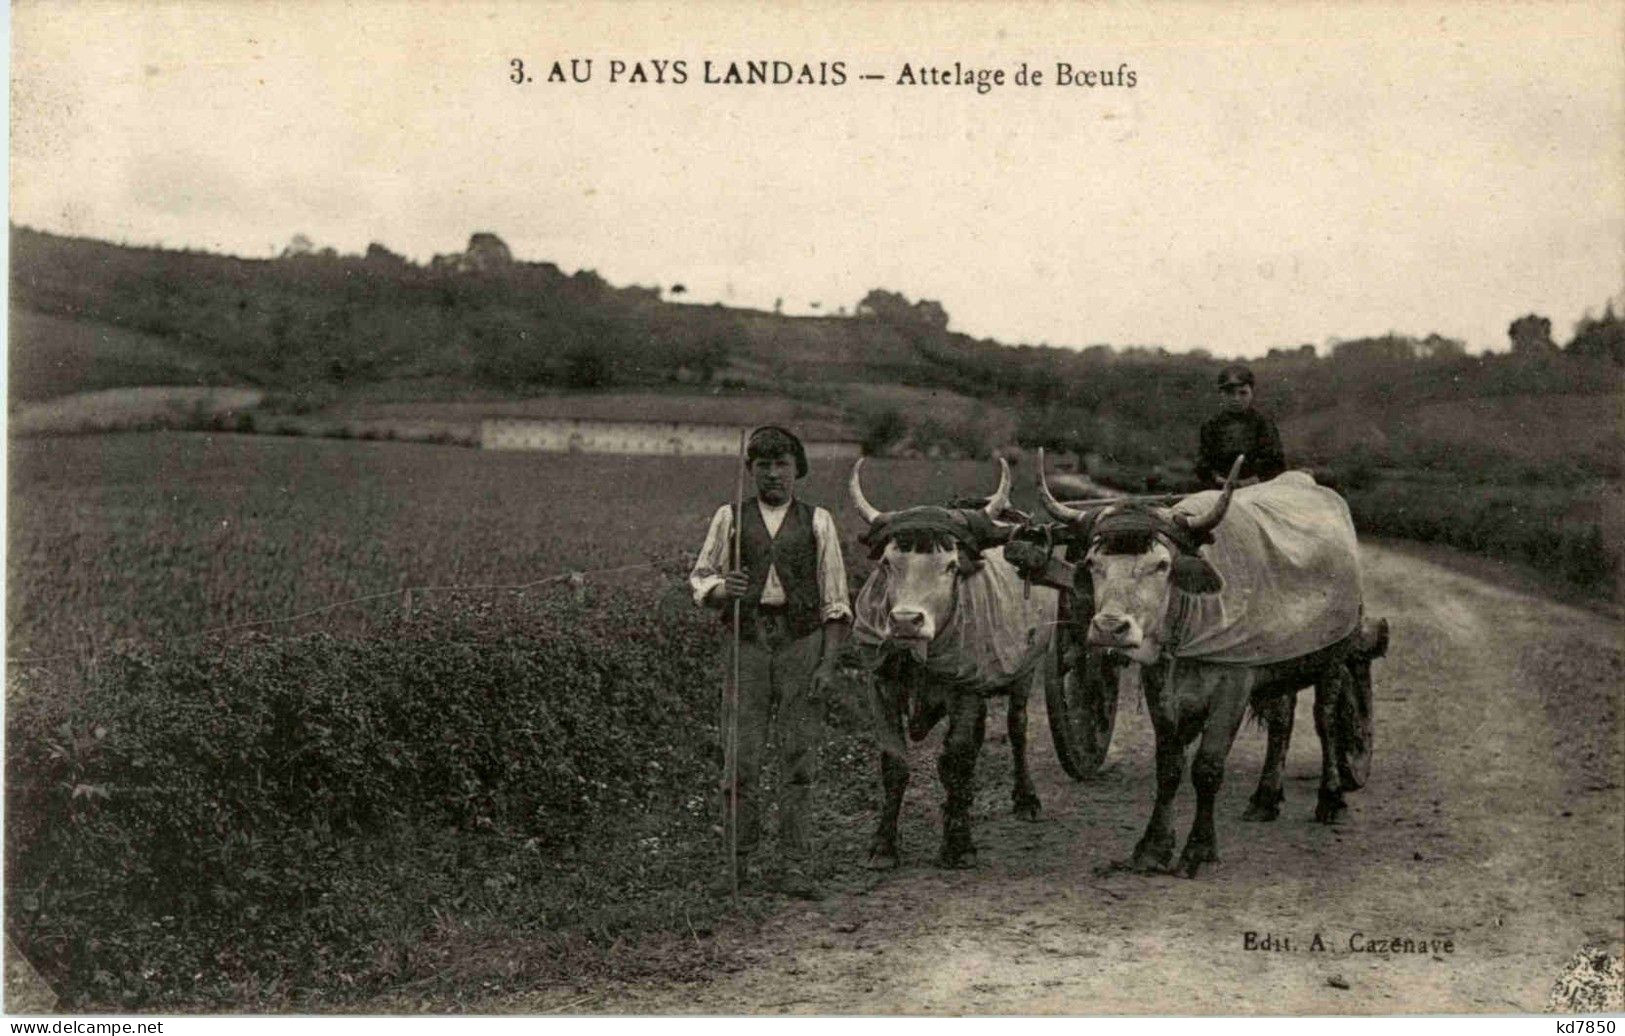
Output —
(1277, 714)
(1022, 794)
(967, 724)
(1207, 770)
(1156, 846)
(1329, 690)
(893, 781)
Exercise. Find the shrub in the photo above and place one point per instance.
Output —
(269, 810)
(1584, 559)
(1519, 524)
(881, 429)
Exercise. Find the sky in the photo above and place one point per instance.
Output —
(1278, 174)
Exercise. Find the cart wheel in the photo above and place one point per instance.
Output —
(1080, 689)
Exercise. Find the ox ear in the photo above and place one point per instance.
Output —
(1192, 575)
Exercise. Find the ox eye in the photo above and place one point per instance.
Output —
(1160, 566)
(953, 563)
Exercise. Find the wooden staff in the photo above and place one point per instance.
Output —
(733, 688)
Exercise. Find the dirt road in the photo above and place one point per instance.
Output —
(1492, 820)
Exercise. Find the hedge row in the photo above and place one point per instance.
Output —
(1530, 526)
(212, 817)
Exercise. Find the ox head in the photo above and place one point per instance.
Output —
(1139, 555)
(923, 553)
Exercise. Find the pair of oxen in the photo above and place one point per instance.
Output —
(1128, 567)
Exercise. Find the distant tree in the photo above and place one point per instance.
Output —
(1531, 335)
(1389, 348)
(883, 305)
(1285, 352)
(968, 438)
(297, 246)
(930, 314)
(880, 430)
(894, 308)
(588, 283)
(486, 252)
(587, 366)
(679, 289)
(1438, 347)
(715, 348)
(1067, 428)
(1603, 337)
(378, 255)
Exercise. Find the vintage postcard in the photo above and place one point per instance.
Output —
(917, 509)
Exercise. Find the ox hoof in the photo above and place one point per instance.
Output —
(1257, 811)
(1332, 816)
(963, 860)
(1149, 863)
(1152, 856)
(1191, 860)
(1331, 810)
(1028, 809)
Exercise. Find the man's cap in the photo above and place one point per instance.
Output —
(771, 440)
(1235, 374)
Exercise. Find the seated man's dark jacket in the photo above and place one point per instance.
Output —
(1226, 434)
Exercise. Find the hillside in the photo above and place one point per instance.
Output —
(1515, 455)
(53, 356)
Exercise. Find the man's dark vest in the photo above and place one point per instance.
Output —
(793, 553)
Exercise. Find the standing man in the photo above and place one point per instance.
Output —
(794, 616)
(1238, 429)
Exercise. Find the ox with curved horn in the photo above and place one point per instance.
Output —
(1056, 509)
(870, 513)
(1163, 589)
(1201, 525)
(944, 622)
(854, 485)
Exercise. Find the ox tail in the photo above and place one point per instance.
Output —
(1373, 639)
(1271, 709)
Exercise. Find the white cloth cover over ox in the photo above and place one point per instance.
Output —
(1287, 554)
(997, 634)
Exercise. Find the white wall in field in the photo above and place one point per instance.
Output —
(583, 435)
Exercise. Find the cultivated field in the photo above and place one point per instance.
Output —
(156, 535)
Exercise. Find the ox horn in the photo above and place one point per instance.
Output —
(1000, 499)
(1053, 506)
(854, 486)
(1200, 524)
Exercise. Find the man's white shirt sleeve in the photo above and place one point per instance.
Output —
(831, 567)
(712, 564)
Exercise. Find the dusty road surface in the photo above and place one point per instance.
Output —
(1493, 820)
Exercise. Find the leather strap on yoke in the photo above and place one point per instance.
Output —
(1149, 522)
(972, 530)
